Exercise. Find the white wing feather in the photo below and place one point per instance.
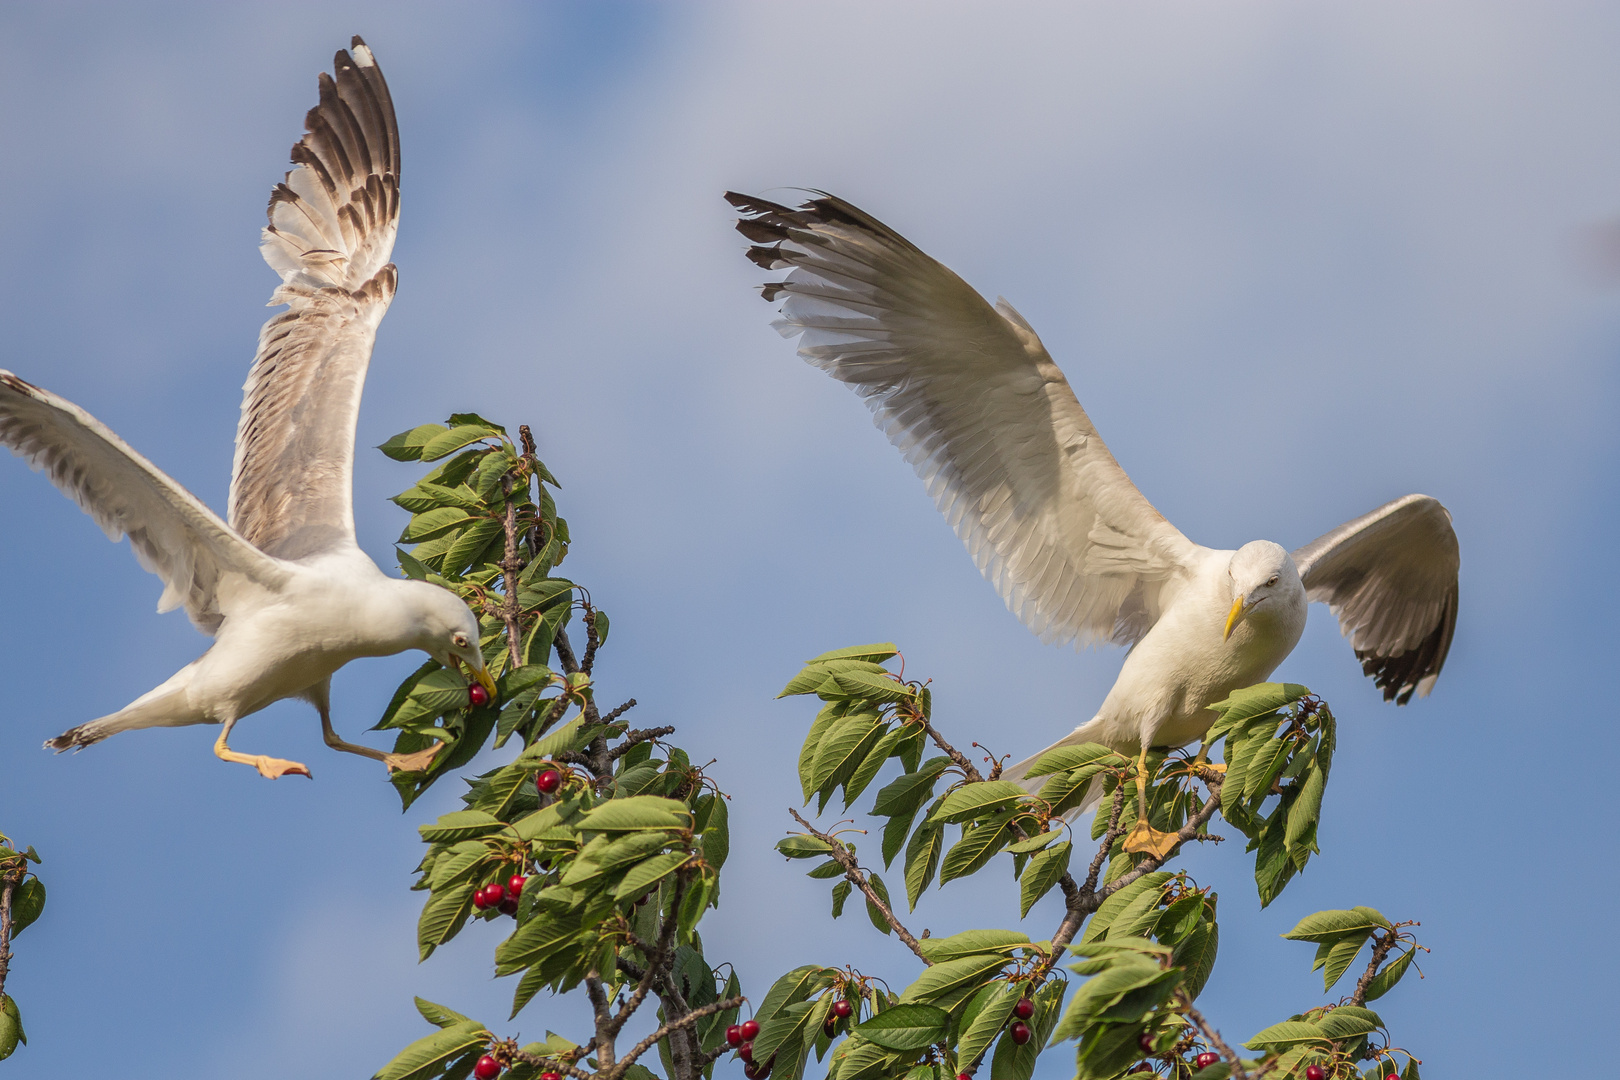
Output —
(331, 231)
(204, 564)
(973, 401)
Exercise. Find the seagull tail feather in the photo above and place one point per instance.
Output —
(166, 706)
(1087, 732)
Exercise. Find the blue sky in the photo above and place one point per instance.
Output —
(1296, 259)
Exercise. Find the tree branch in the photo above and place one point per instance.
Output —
(673, 1026)
(960, 759)
(1184, 1003)
(852, 872)
(1382, 947)
(511, 566)
(599, 1008)
(10, 876)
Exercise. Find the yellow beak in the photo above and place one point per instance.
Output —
(484, 680)
(1232, 619)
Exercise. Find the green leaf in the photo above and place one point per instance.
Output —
(636, 813)
(987, 1024)
(427, 1056)
(872, 911)
(840, 894)
(1340, 955)
(829, 715)
(1287, 1033)
(870, 653)
(949, 976)
(470, 544)
(844, 746)
(871, 686)
(977, 847)
(438, 1015)
(1255, 701)
(27, 901)
(448, 442)
(1118, 901)
(1065, 758)
(717, 834)
(11, 1027)
(1043, 872)
(407, 445)
(1196, 956)
(868, 768)
(976, 800)
(461, 825)
(800, 846)
(815, 675)
(795, 986)
(972, 943)
(908, 1026)
(1383, 982)
(643, 876)
(1329, 925)
(1347, 1021)
(1014, 1062)
(922, 857)
(442, 918)
(1034, 843)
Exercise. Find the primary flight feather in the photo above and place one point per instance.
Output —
(971, 398)
(282, 586)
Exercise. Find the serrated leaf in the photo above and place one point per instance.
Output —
(1254, 701)
(442, 918)
(870, 686)
(972, 943)
(27, 902)
(976, 800)
(1341, 954)
(1065, 758)
(1196, 956)
(448, 442)
(644, 875)
(407, 445)
(795, 986)
(427, 1056)
(980, 844)
(840, 894)
(908, 1026)
(1287, 1033)
(870, 653)
(1043, 872)
(438, 1015)
(988, 1022)
(874, 760)
(1119, 900)
(910, 791)
(800, 846)
(11, 1027)
(638, 812)
(922, 858)
(461, 825)
(1383, 982)
(1328, 925)
(1347, 1021)
(1034, 843)
(872, 911)
(948, 976)
(842, 748)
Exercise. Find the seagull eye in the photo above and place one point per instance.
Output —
(1273, 580)
(459, 640)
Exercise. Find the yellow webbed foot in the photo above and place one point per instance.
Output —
(1145, 838)
(412, 762)
(272, 768)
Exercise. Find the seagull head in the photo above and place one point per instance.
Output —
(447, 630)
(1264, 578)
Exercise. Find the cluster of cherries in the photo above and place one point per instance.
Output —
(742, 1037)
(841, 1010)
(504, 897)
(1022, 1011)
(488, 1068)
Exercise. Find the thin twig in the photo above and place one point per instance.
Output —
(852, 872)
(10, 876)
(673, 1026)
(1184, 1003)
(632, 738)
(960, 759)
(1381, 950)
(511, 566)
(592, 640)
(609, 717)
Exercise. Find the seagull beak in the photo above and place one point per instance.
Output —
(484, 680)
(1232, 619)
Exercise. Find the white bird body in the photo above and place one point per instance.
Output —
(972, 399)
(1184, 664)
(282, 586)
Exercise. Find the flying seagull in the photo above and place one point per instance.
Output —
(282, 587)
(971, 398)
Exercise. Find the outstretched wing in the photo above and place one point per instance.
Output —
(971, 398)
(203, 563)
(1391, 578)
(332, 224)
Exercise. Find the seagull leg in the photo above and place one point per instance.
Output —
(1202, 761)
(395, 762)
(1145, 838)
(268, 767)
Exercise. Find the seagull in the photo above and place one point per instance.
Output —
(971, 398)
(281, 585)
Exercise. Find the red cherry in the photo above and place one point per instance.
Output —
(494, 893)
(746, 1051)
(1024, 1009)
(477, 695)
(514, 885)
(1020, 1032)
(1145, 1041)
(964, 1076)
(757, 1072)
(487, 1067)
(509, 906)
(550, 1076)
(1315, 1072)
(843, 1010)
(548, 781)
(1206, 1059)
(750, 1028)
(734, 1035)
(830, 1027)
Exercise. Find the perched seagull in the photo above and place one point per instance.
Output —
(971, 398)
(285, 591)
